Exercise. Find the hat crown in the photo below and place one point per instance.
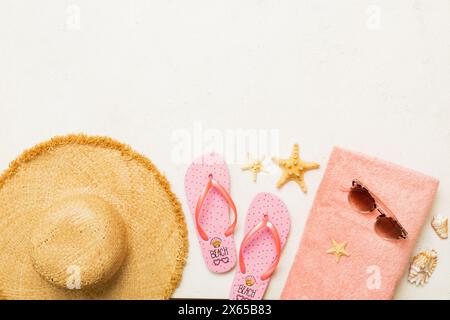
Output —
(80, 243)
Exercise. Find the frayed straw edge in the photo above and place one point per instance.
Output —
(108, 143)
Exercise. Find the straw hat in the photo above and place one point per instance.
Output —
(88, 218)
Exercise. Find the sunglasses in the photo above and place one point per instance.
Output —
(363, 201)
(223, 260)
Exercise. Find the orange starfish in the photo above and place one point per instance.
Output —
(294, 169)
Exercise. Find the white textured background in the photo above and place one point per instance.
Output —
(372, 76)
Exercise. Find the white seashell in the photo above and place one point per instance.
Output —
(440, 225)
(422, 267)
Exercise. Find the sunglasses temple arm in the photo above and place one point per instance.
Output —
(343, 188)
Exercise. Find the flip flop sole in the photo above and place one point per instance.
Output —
(260, 252)
(219, 251)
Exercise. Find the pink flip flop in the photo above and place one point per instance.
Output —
(207, 185)
(267, 227)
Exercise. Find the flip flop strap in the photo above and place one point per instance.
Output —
(265, 223)
(212, 183)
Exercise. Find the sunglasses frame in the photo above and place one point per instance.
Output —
(379, 206)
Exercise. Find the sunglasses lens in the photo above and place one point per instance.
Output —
(361, 200)
(388, 228)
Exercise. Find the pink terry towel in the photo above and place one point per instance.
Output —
(375, 265)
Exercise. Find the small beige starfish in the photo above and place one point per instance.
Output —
(338, 249)
(294, 169)
(255, 166)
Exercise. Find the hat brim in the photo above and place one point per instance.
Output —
(79, 164)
